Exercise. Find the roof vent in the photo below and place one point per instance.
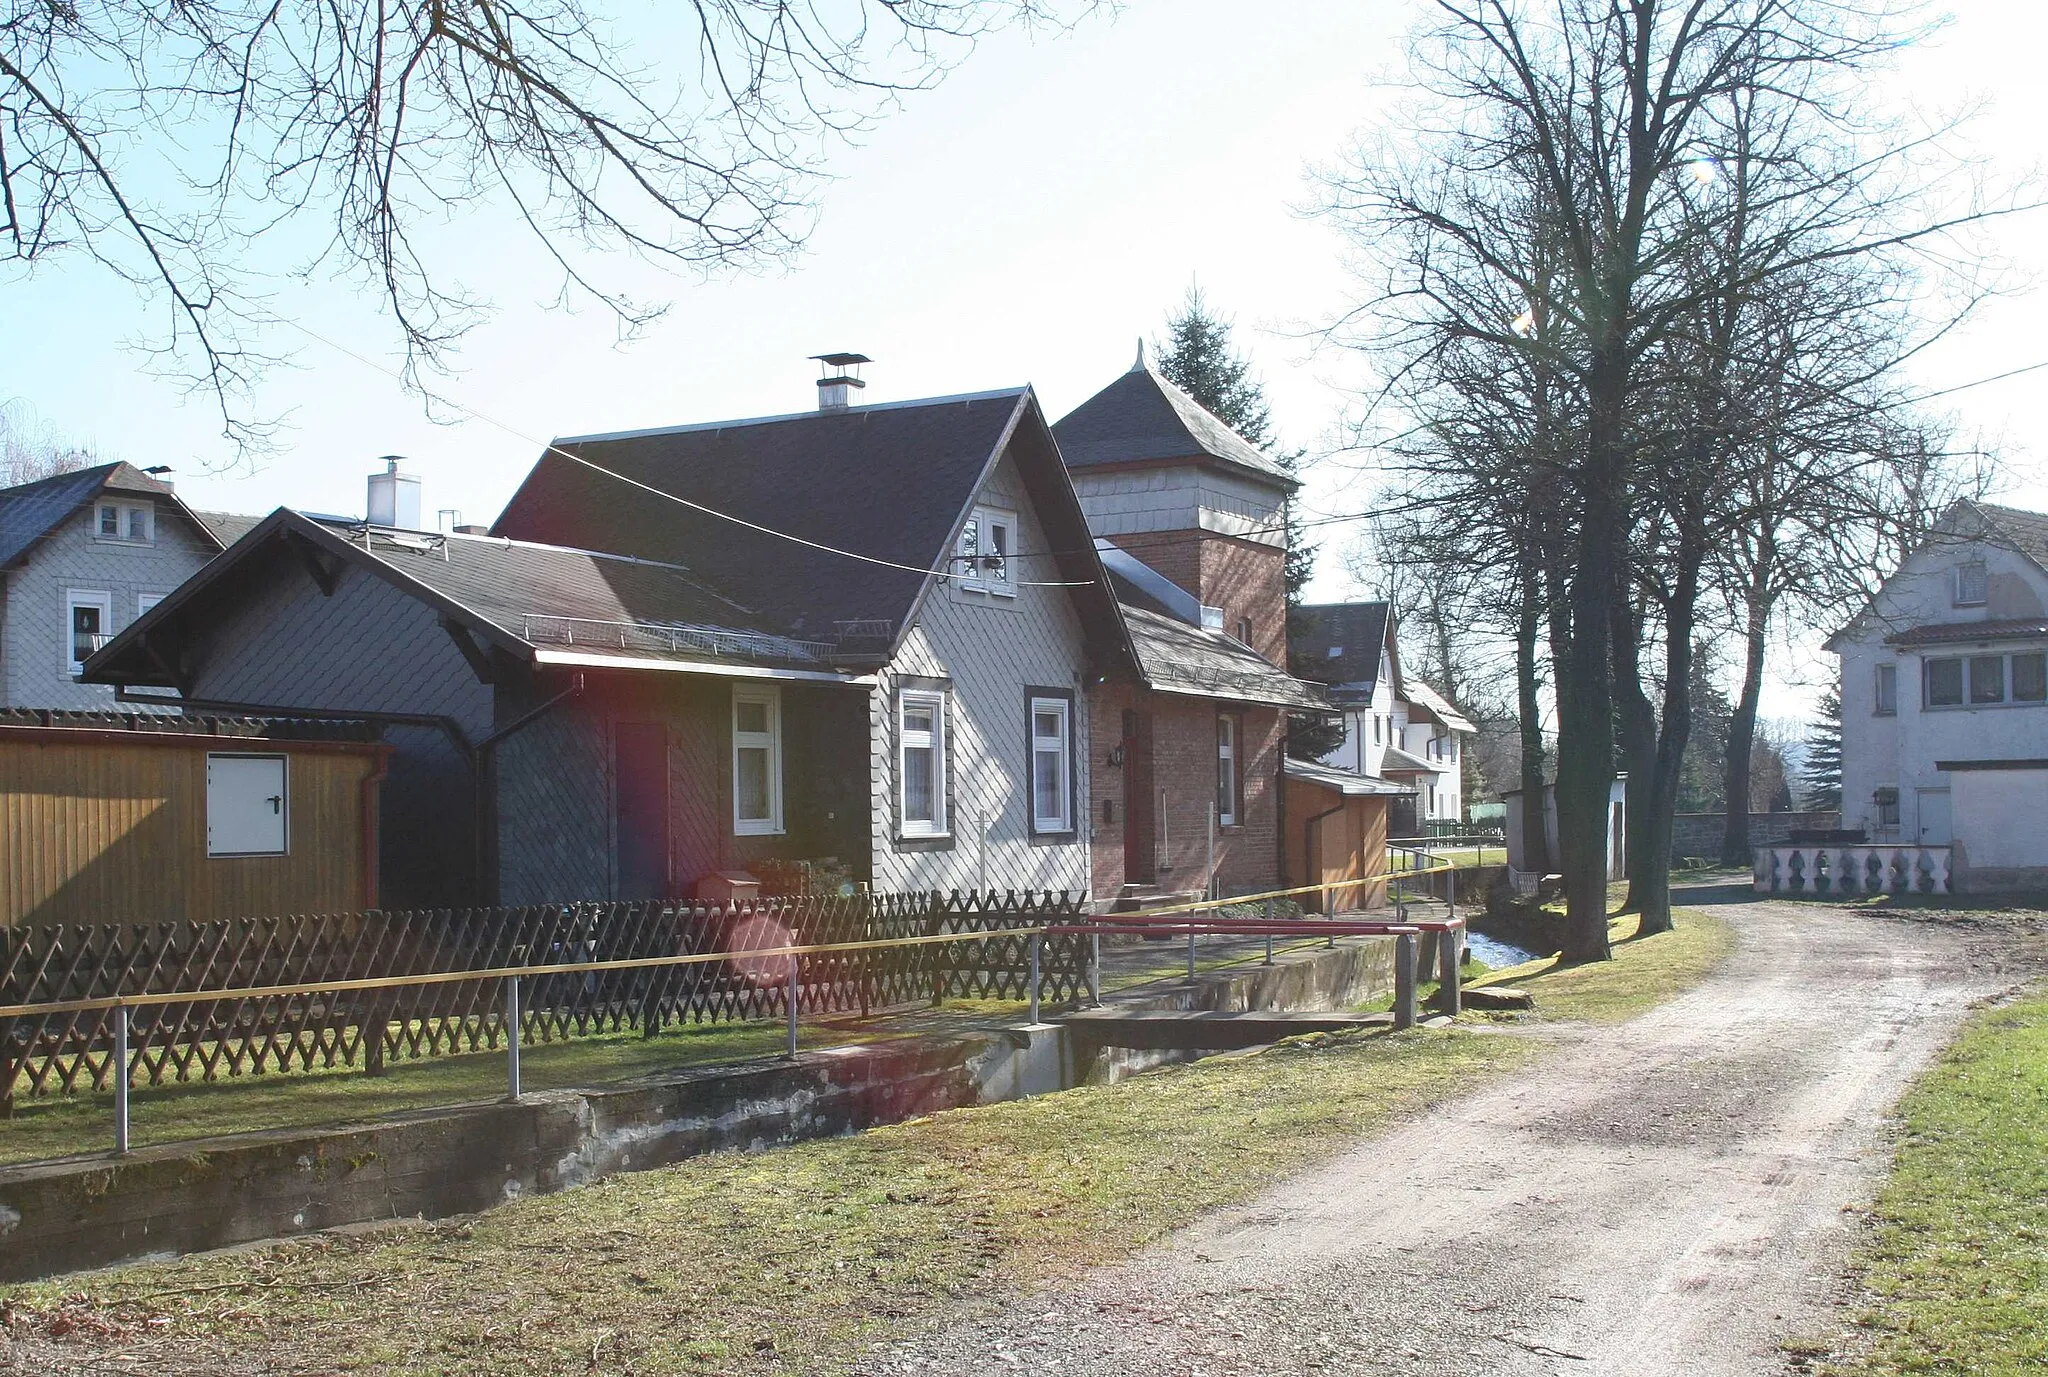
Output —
(839, 376)
(394, 497)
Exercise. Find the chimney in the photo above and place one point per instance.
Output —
(840, 375)
(395, 496)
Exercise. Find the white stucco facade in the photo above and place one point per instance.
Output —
(1945, 703)
(1380, 719)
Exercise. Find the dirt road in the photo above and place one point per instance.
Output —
(1661, 1196)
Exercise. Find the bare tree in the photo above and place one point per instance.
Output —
(170, 143)
(1563, 207)
(30, 451)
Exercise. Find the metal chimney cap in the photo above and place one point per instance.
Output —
(841, 360)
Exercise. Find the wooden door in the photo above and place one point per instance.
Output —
(1139, 823)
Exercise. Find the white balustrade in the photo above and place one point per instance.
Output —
(1864, 869)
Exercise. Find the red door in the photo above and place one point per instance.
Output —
(1139, 857)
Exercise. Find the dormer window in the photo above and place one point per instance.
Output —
(1972, 584)
(982, 558)
(130, 522)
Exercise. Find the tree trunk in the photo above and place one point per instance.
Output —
(1535, 842)
(1637, 726)
(1742, 726)
(1585, 706)
(1652, 870)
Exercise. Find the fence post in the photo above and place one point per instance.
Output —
(1404, 980)
(1095, 969)
(1037, 943)
(1449, 997)
(1269, 936)
(512, 1037)
(1451, 880)
(1191, 955)
(794, 987)
(121, 1077)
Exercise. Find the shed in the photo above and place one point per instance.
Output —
(138, 817)
(1337, 831)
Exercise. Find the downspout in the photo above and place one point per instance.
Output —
(484, 802)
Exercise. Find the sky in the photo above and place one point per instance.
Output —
(1027, 221)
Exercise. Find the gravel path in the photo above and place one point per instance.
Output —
(1662, 1196)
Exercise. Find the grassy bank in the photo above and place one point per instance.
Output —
(1956, 1269)
(796, 1260)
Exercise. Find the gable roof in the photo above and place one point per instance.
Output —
(542, 604)
(1143, 417)
(1438, 706)
(1177, 658)
(32, 510)
(893, 482)
(2024, 531)
(2021, 531)
(1341, 642)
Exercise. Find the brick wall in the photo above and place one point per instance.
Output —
(1246, 580)
(1184, 787)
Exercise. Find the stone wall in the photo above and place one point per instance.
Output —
(1699, 834)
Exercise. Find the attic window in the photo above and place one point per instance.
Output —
(982, 558)
(1336, 651)
(133, 523)
(1972, 584)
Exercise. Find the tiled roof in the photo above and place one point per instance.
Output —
(2024, 531)
(1177, 658)
(1439, 707)
(228, 527)
(1944, 633)
(885, 481)
(32, 510)
(1142, 416)
(1340, 642)
(1345, 782)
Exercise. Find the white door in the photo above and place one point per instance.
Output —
(247, 806)
(1935, 824)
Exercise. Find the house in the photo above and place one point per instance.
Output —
(1187, 520)
(860, 633)
(1396, 727)
(81, 556)
(141, 817)
(1945, 700)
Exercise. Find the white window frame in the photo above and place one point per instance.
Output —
(935, 740)
(1965, 597)
(145, 601)
(1227, 776)
(979, 536)
(1061, 822)
(124, 514)
(770, 741)
(85, 597)
(1884, 692)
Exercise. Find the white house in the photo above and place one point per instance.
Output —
(1945, 700)
(1395, 726)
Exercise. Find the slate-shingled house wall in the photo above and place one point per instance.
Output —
(991, 651)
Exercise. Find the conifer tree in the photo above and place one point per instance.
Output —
(1822, 774)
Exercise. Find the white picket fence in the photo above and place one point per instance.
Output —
(1852, 869)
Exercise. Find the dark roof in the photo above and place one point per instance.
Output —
(228, 527)
(1340, 642)
(1143, 417)
(1941, 633)
(542, 603)
(201, 725)
(1344, 781)
(2024, 531)
(1174, 657)
(32, 510)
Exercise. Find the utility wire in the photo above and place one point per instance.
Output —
(549, 447)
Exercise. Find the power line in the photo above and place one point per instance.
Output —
(548, 447)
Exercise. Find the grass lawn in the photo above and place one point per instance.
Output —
(795, 1260)
(1659, 966)
(64, 1125)
(1956, 1269)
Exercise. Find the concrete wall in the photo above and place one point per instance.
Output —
(1699, 834)
(2001, 825)
(34, 634)
(989, 651)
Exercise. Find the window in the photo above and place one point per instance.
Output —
(248, 806)
(1944, 683)
(1987, 678)
(1052, 808)
(1226, 771)
(1244, 631)
(135, 522)
(145, 601)
(986, 543)
(2030, 678)
(1972, 582)
(756, 762)
(1377, 737)
(88, 620)
(921, 763)
(1886, 699)
(1886, 797)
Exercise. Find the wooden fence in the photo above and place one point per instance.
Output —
(205, 1040)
